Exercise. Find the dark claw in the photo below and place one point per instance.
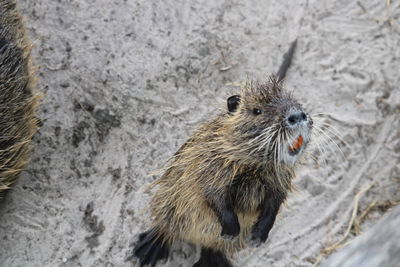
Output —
(258, 237)
(230, 230)
(228, 237)
(254, 242)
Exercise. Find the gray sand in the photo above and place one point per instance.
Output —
(126, 82)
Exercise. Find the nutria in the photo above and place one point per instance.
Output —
(223, 188)
(18, 98)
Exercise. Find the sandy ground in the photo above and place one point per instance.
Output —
(126, 82)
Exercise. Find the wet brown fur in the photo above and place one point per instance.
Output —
(18, 97)
(218, 152)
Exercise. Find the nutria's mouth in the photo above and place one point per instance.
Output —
(295, 147)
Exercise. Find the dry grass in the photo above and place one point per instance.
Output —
(356, 219)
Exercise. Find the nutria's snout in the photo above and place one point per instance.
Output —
(299, 124)
(296, 118)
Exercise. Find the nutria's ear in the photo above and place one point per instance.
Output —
(233, 102)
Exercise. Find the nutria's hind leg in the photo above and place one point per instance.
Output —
(150, 249)
(212, 258)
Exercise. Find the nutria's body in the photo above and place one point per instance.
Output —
(18, 101)
(225, 185)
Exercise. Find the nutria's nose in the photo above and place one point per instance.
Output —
(296, 118)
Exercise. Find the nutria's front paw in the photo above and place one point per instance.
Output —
(230, 232)
(257, 237)
(230, 228)
(254, 241)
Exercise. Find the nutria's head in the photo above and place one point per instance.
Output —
(267, 124)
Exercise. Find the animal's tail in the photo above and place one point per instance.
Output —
(151, 248)
(287, 60)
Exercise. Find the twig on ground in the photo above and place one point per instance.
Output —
(342, 242)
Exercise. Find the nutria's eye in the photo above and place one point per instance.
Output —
(256, 111)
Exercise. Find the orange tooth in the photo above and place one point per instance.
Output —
(297, 143)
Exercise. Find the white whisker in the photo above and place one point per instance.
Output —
(332, 130)
(330, 139)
